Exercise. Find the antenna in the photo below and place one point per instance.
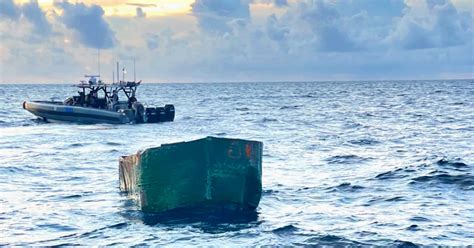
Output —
(123, 74)
(134, 75)
(118, 77)
(98, 60)
(113, 74)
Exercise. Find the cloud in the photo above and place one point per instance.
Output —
(88, 23)
(140, 13)
(29, 20)
(225, 40)
(275, 30)
(277, 3)
(281, 3)
(385, 8)
(35, 15)
(328, 26)
(152, 41)
(214, 15)
(350, 26)
(431, 24)
(142, 5)
(314, 25)
(311, 40)
(9, 10)
(163, 38)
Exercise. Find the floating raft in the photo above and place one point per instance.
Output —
(210, 171)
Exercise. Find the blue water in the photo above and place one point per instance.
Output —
(353, 163)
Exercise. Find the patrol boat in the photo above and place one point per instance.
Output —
(98, 102)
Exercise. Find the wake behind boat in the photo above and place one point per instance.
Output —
(98, 102)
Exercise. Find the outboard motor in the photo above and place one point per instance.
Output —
(139, 111)
(160, 111)
(159, 114)
(169, 112)
(151, 115)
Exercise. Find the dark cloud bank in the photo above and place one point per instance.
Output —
(29, 11)
(88, 24)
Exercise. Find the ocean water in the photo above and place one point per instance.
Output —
(345, 163)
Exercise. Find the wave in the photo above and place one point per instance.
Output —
(14, 122)
(364, 142)
(346, 159)
(434, 172)
(353, 125)
(456, 163)
(242, 109)
(78, 145)
(331, 241)
(291, 107)
(384, 200)
(419, 219)
(10, 169)
(465, 181)
(413, 228)
(395, 174)
(109, 143)
(396, 199)
(285, 230)
(345, 187)
(65, 239)
(265, 119)
(71, 196)
(267, 192)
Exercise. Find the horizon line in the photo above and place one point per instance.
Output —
(283, 81)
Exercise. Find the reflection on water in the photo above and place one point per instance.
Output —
(208, 219)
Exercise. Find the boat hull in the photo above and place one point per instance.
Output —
(205, 172)
(56, 111)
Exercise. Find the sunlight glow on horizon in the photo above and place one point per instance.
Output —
(127, 8)
(156, 8)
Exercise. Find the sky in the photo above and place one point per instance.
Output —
(49, 41)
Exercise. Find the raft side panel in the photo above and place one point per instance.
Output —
(235, 171)
(207, 171)
(128, 173)
(173, 175)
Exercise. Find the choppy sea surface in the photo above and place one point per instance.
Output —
(345, 163)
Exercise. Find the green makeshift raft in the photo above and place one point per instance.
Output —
(209, 171)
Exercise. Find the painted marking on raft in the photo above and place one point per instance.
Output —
(234, 151)
(248, 150)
